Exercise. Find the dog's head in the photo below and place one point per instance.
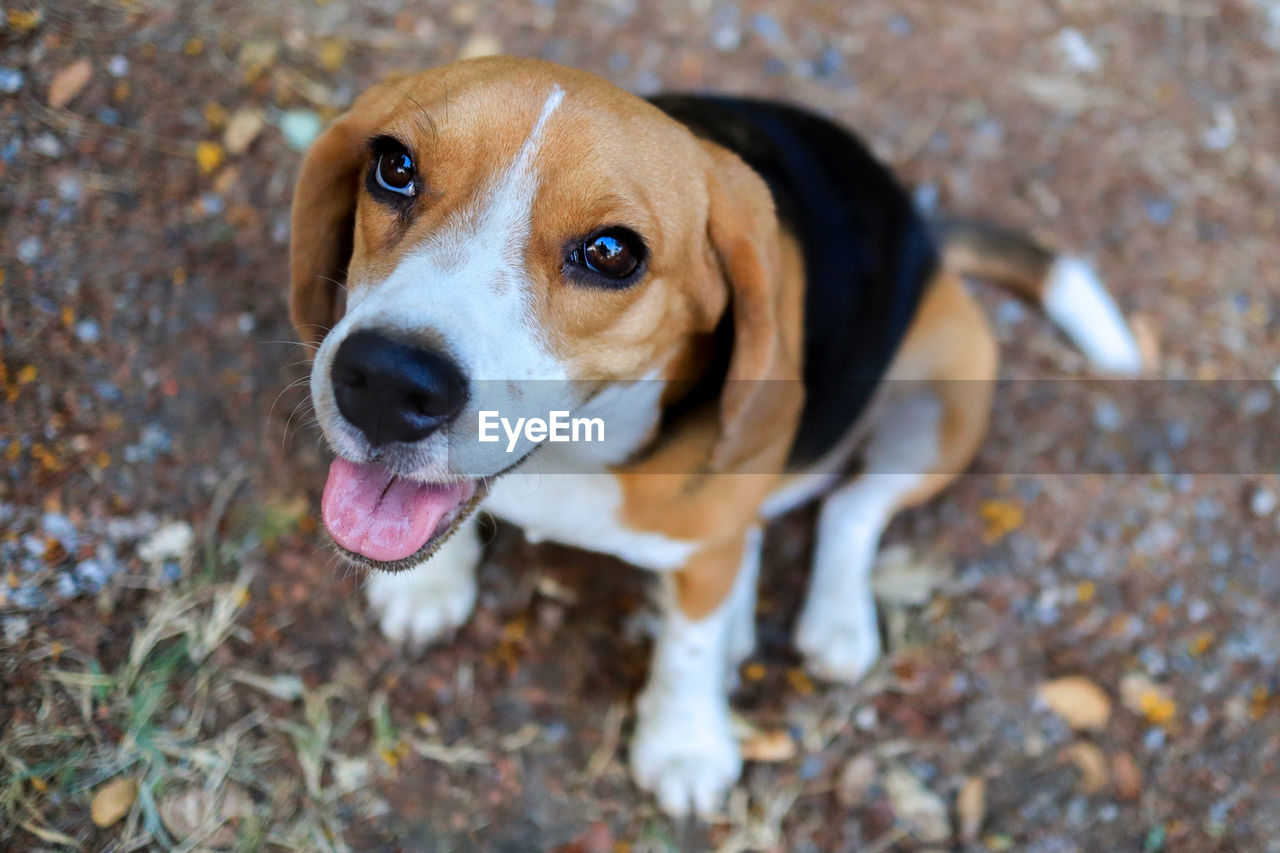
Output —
(514, 236)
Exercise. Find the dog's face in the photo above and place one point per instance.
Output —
(508, 236)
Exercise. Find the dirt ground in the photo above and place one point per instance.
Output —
(182, 664)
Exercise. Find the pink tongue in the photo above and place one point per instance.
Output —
(386, 518)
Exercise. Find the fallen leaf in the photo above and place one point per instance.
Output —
(69, 82)
(769, 747)
(1089, 760)
(1002, 518)
(195, 811)
(208, 156)
(113, 801)
(922, 811)
(332, 53)
(1149, 700)
(856, 780)
(1078, 701)
(174, 541)
(971, 807)
(1128, 777)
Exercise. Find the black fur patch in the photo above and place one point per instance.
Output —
(867, 252)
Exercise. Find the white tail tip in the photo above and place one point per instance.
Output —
(1077, 302)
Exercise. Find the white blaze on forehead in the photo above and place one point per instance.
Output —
(500, 220)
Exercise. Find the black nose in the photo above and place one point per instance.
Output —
(395, 392)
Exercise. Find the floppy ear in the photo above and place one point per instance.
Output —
(324, 212)
(763, 391)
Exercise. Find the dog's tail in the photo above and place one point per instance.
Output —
(1066, 287)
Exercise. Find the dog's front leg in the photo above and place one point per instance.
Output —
(683, 749)
(429, 602)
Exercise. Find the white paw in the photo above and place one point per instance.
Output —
(420, 606)
(688, 760)
(838, 645)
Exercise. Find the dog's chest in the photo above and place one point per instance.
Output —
(582, 510)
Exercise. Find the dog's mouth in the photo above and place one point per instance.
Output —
(388, 522)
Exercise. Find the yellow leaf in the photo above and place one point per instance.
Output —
(1002, 518)
(799, 682)
(215, 115)
(332, 54)
(193, 47)
(25, 20)
(208, 156)
(1085, 591)
(1200, 643)
(1157, 708)
(27, 374)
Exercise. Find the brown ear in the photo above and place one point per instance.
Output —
(763, 391)
(324, 211)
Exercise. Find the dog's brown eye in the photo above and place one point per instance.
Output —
(395, 172)
(609, 256)
(614, 254)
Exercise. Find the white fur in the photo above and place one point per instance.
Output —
(428, 603)
(1078, 303)
(583, 510)
(837, 631)
(683, 749)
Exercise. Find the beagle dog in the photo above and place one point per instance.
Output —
(742, 296)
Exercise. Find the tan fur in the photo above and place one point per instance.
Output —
(950, 346)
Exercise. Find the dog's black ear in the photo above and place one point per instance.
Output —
(324, 212)
(763, 391)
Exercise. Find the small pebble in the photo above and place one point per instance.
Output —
(15, 628)
(1079, 53)
(1263, 502)
(1159, 210)
(768, 28)
(29, 250)
(1107, 416)
(901, 26)
(300, 128)
(65, 587)
(11, 80)
(69, 188)
(91, 575)
(118, 66)
(726, 38)
(926, 197)
(88, 332)
(1222, 134)
(47, 144)
(60, 528)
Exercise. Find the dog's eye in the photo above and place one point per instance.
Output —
(395, 172)
(614, 254)
(393, 176)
